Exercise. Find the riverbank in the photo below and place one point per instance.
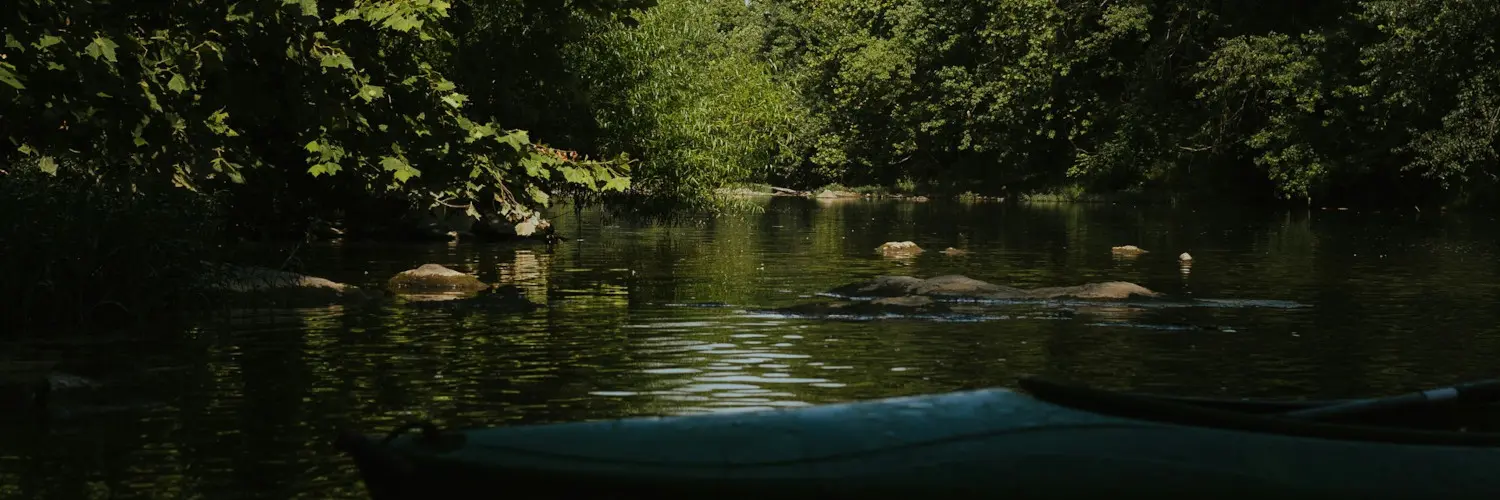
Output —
(1076, 194)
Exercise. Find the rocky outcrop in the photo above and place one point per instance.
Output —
(254, 285)
(829, 194)
(964, 287)
(434, 279)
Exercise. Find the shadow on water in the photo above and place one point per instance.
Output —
(642, 319)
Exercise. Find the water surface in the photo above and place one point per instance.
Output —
(643, 319)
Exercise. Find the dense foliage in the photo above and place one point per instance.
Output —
(1382, 99)
(699, 107)
(271, 94)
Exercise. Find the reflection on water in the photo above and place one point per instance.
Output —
(651, 320)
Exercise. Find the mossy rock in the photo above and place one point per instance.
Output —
(433, 278)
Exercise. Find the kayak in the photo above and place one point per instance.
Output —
(1042, 440)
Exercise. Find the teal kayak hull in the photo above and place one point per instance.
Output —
(992, 443)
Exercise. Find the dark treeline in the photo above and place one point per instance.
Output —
(139, 135)
(1383, 102)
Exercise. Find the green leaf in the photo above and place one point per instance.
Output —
(102, 47)
(48, 41)
(326, 168)
(312, 146)
(533, 165)
(150, 97)
(218, 122)
(140, 130)
(9, 77)
(617, 184)
(537, 195)
(514, 139)
(47, 164)
(398, 167)
(336, 60)
(455, 99)
(577, 176)
(177, 84)
(371, 92)
(403, 23)
(233, 17)
(351, 13)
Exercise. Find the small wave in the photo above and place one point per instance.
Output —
(1165, 326)
(703, 305)
(938, 318)
(1139, 304)
(1263, 303)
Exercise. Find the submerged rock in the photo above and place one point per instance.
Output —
(954, 252)
(434, 279)
(28, 385)
(505, 299)
(1104, 290)
(898, 286)
(885, 305)
(254, 284)
(963, 286)
(1128, 250)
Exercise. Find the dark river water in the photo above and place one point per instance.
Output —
(644, 319)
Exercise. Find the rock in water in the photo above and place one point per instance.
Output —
(1105, 290)
(1128, 250)
(434, 278)
(899, 249)
(882, 286)
(912, 302)
(961, 286)
(1185, 257)
(256, 285)
(907, 305)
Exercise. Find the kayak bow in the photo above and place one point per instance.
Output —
(1054, 441)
